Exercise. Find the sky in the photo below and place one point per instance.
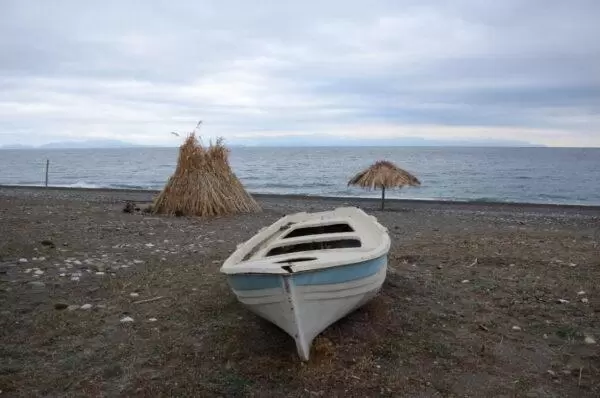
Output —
(526, 70)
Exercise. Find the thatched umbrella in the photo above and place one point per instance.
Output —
(203, 184)
(384, 174)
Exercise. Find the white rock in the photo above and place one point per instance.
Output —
(34, 259)
(77, 262)
(545, 336)
(127, 319)
(62, 274)
(563, 301)
(149, 245)
(74, 278)
(585, 300)
(138, 262)
(105, 255)
(152, 319)
(572, 265)
(22, 260)
(134, 294)
(86, 307)
(28, 270)
(39, 272)
(124, 266)
(100, 273)
(580, 293)
(516, 328)
(465, 281)
(589, 340)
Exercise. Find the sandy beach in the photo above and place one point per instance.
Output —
(481, 300)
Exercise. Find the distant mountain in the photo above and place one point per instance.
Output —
(319, 140)
(74, 145)
(88, 144)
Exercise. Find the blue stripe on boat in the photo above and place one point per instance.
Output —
(340, 274)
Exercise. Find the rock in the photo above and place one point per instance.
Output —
(48, 243)
(152, 319)
(77, 262)
(60, 306)
(74, 278)
(138, 262)
(34, 259)
(38, 272)
(465, 281)
(134, 294)
(580, 293)
(516, 328)
(562, 301)
(62, 274)
(72, 307)
(86, 307)
(545, 336)
(22, 261)
(126, 319)
(585, 300)
(28, 270)
(572, 265)
(589, 340)
(552, 373)
(149, 245)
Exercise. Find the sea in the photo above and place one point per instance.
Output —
(524, 175)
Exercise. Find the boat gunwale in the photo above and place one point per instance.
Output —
(235, 263)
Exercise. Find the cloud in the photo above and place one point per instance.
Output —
(138, 70)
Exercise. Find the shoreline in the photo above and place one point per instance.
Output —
(391, 203)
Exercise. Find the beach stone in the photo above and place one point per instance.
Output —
(516, 328)
(585, 300)
(126, 319)
(138, 262)
(77, 262)
(134, 294)
(62, 274)
(38, 272)
(86, 307)
(580, 293)
(149, 245)
(74, 278)
(589, 340)
(562, 301)
(99, 273)
(60, 306)
(152, 319)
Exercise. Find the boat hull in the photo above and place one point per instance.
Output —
(304, 304)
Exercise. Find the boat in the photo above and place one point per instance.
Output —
(308, 270)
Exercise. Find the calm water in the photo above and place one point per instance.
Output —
(537, 175)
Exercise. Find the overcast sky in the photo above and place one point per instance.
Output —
(136, 70)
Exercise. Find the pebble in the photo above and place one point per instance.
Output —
(77, 262)
(100, 273)
(39, 272)
(516, 328)
(545, 336)
(22, 260)
(134, 294)
(580, 293)
(585, 300)
(28, 270)
(127, 319)
(86, 307)
(138, 262)
(562, 301)
(74, 278)
(62, 274)
(589, 340)
(149, 245)
(152, 319)
(465, 281)
(572, 265)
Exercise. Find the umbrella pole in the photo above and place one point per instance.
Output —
(382, 198)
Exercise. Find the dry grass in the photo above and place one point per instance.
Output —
(384, 174)
(204, 184)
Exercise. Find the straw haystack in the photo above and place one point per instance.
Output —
(203, 184)
(384, 174)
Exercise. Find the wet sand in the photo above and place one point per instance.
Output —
(481, 299)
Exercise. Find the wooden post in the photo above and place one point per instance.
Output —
(382, 198)
(47, 167)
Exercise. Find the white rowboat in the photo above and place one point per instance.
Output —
(308, 270)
